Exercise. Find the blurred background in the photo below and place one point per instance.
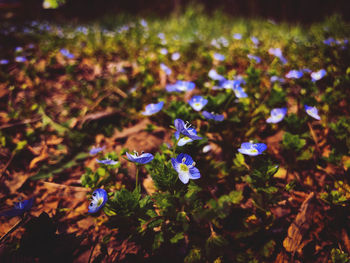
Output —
(84, 10)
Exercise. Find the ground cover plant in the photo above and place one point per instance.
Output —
(139, 140)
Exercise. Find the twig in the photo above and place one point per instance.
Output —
(13, 229)
(93, 248)
(314, 137)
(27, 121)
(7, 164)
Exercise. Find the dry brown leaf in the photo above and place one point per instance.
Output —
(297, 230)
(148, 184)
(54, 140)
(43, 156)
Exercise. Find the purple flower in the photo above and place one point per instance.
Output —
(99, 198)
(141, 159)
(184, 166)
(252, 149)
(198, 102)
(19, 208)
(312, 111)
(212, 116)
(277, 115)
(153, 108)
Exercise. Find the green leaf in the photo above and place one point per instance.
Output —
(177, 238)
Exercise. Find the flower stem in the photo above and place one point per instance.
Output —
(174, 147)
(137, 177)
(229, 100)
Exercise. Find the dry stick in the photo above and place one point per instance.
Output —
(12, 229)
(314, 137)
(93, 248)
(7, 164)
(27, 121)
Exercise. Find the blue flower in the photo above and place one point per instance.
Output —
(184, 140)
(219, 57)
(4, 61)
(215, 76)
(184, 166)
(212, 116)
(107, 161)
(18, 49)
(237, 36)
(99, 198)
(180, 86)
(20, 59)
(166, 69)
(142, 159)
(306, 70)
(66, 53)
(239, 92)
(163, 51)
(294, 74)
(255, 58)
(206, 148)
(175, 56)
(153, 108)
(318, 75)
(143, 23)
(276, 78)
(252, 149)
(329, 41)
(198, 102)
(277, 115)
(161, 36)
(277, 53)
(185, 129)
(255, 40)
(19, 208)
(96, 150)
(312, 111)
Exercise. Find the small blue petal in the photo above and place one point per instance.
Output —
(19, 208)
(99, 198)
(107, 162)
(153, 108)
(211, 116)
(312, 111)
(96, 150)
(197, 102)
(255, 58)
(318, 75)
(141, 159)
(294, 74)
